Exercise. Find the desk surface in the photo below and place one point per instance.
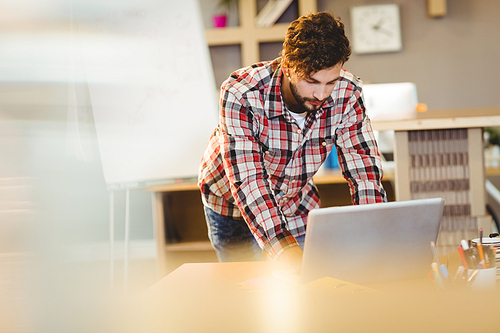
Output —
(438, 119)
(211, 298)
(326, 177)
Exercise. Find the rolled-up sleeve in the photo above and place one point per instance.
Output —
(359, 156)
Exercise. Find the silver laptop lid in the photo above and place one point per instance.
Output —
(371, 243)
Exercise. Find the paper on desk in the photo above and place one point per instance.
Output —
(328, 284)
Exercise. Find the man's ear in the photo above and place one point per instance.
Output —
(284, 68)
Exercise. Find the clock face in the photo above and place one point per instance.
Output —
(376, 28)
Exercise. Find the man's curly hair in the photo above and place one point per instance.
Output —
(314, 42)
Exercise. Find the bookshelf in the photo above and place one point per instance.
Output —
(248, 35)
(440, 154)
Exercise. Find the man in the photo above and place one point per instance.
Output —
(278, 122)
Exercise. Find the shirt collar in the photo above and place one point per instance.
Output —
(273, 104)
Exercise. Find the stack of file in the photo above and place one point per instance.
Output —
(439, 168)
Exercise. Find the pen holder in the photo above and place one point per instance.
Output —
(493, 257)
(484, 280)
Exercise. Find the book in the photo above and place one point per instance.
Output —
(271, 13)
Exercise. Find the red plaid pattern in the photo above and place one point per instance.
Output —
(259, 164)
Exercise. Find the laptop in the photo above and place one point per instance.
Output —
(372, 243)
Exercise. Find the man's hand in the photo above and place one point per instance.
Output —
(293, 257)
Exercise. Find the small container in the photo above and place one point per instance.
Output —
(484, 280)
(219, 21)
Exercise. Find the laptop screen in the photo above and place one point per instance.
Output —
(371, 243)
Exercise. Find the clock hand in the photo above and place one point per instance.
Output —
(378, 25)
(385, 32)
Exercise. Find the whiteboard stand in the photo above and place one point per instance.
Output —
(127, 233)
(159, 233)
(111, 238)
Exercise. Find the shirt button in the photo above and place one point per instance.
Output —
(293, 180)
(285, 198)
(323, 143)
(299, 131)
(266, 152)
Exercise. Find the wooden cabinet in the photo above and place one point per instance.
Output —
(181, 230)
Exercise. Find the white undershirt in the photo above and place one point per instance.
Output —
(300, 118)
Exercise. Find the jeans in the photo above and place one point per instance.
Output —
(233, 240)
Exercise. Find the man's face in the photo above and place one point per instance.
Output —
(311, 92)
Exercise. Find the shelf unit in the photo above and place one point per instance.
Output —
(248, 35)
(179, 206)
(471, 171)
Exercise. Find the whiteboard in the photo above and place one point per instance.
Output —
(151, 87)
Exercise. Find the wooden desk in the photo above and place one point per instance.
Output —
(429, 136)
(438, 119)
(210, 297)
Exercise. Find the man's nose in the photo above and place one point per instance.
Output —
(321, 93)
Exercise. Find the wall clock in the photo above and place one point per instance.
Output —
(376, 28)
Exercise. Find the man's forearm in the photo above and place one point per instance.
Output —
(293, 257)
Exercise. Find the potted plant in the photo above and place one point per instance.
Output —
(224, 6)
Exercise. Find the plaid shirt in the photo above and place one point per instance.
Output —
(259, 163)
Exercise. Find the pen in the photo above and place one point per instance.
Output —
(481, 250)
(437, 276)
(444, 271)
(432, 276)
(473, 276)
(442, 268)
(459, 274)
(467, 254)
(462, 257)
(438, 280)
(481, 254)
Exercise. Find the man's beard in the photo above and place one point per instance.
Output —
(301, 101)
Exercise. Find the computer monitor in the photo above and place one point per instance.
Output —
(387, 98)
